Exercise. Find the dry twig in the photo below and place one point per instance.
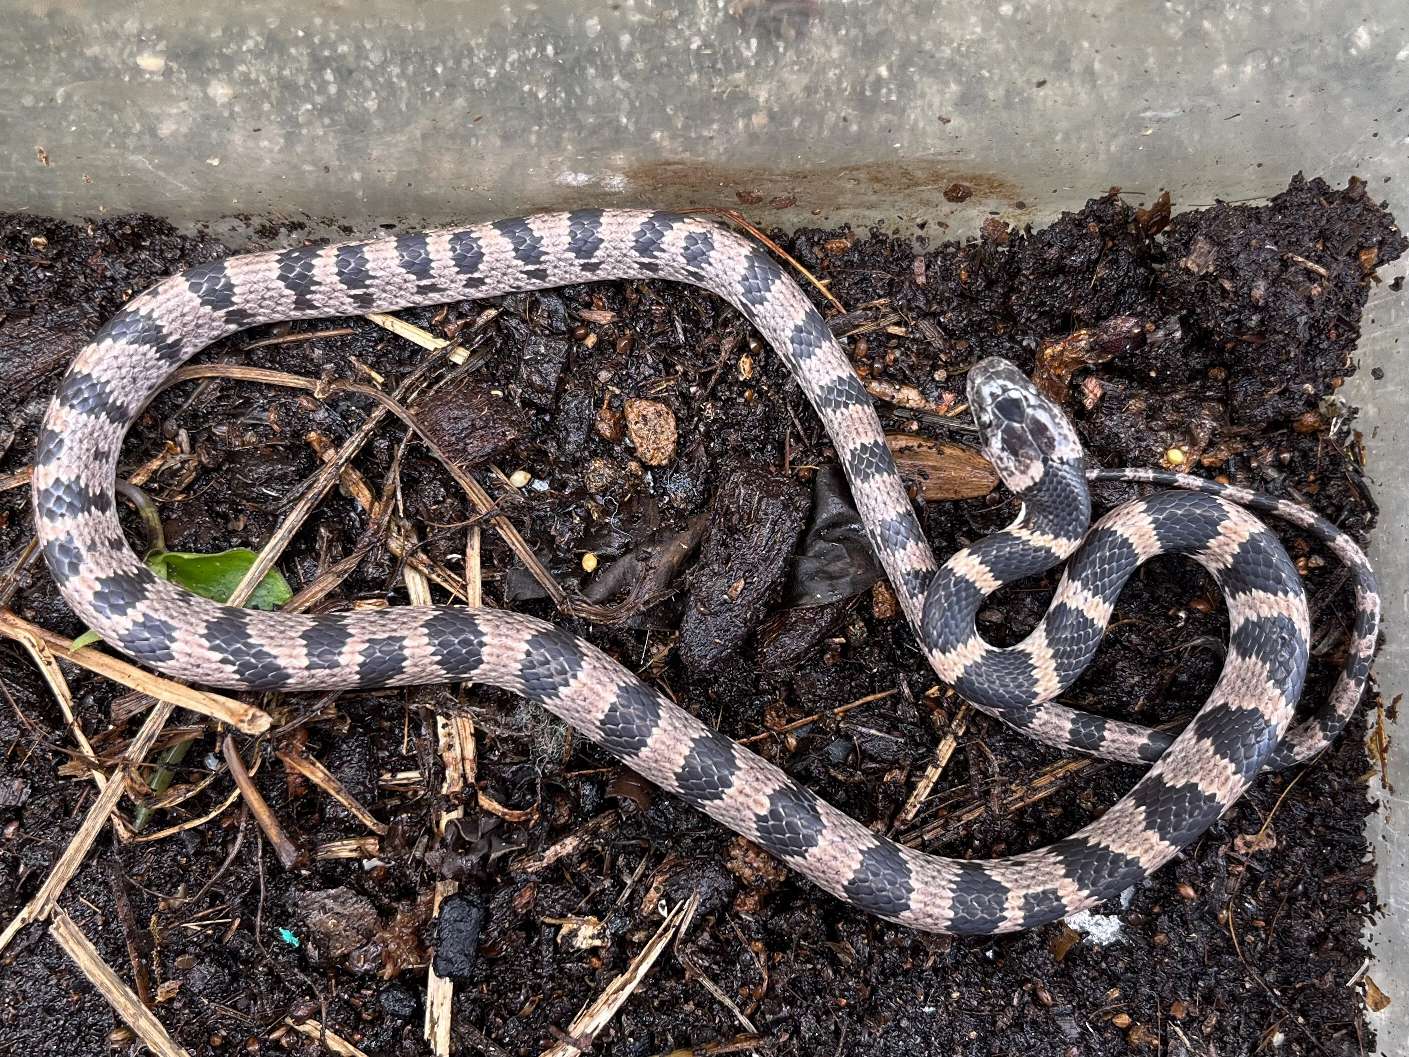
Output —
(244, 718)
(44, 901)
(289, 853)
(587, 1024)
(738, 1044)
(805, 721)
(942, 753)
(126, 1004)
(735, 217)
(315, 772)
(334, 1042)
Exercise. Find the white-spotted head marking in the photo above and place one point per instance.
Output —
(1023, 432)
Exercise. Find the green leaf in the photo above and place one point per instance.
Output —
(86, 639)
(215, 576)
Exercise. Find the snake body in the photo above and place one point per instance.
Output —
(1245, 724)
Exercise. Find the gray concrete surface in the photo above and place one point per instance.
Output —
(801, 111)
(404, 111)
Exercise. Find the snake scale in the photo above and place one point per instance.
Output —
(1246, 723)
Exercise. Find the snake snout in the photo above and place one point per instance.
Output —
(1000, 394)
(998, 390)
(1022, 430)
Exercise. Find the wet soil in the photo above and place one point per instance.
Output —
(713, 527)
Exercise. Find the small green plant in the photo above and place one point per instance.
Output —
(213, 576)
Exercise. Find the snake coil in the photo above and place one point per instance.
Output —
(1245, 724)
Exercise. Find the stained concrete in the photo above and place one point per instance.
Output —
(798, 111)
(805, 109)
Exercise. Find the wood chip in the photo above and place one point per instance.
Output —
(940, 469)
(651, 426)
(1375, 999)
(907, 396)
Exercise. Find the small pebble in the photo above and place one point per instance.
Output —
(610, 424)
(884, 605)
(651, 426)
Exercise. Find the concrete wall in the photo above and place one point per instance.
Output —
(439, 110)
(406, 112)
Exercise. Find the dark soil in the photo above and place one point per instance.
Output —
(1247, 321)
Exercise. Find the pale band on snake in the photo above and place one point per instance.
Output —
(1245, 724)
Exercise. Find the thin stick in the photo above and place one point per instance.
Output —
(315, 772)
(474, 581)
(190, 823)
(1044, 785)
(1310, 266)
(329, 474)
(415, 334)
(43, 902)
(322, 482)
(11, 582)
(58, 686)
(294, 339)
(357, 487)
(18, 479)
(54, 676)
(738, 1044)
(289, 853)
(586, 1025)
(832, 713)
(334, 1042)
(481, 499)
(942, 753)
(244, 718)
(126, 1004)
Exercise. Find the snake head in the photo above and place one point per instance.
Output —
(1023, 432)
